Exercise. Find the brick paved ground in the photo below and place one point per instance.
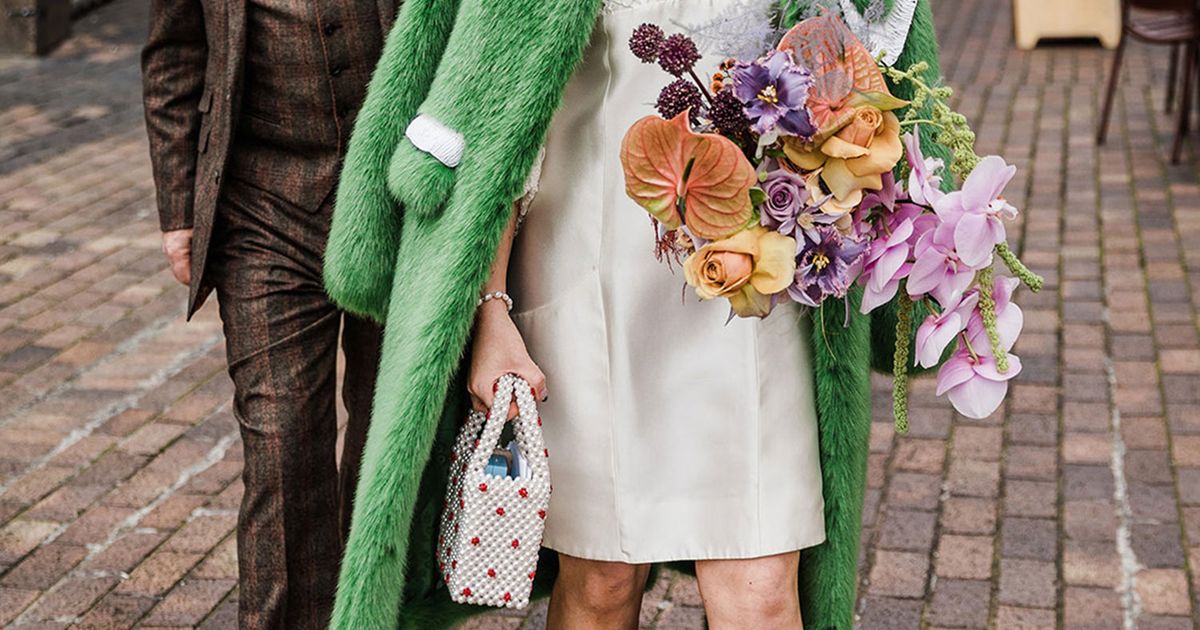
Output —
(1077, 507)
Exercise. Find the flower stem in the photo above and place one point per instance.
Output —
(987, 310)
(900, 364)
(919, 121)
(700, 84)
(967, 344)
(1031, 280)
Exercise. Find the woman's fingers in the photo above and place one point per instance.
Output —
(537, 380)
(477, 404)
(482, 391)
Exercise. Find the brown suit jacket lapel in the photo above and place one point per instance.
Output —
(387, 14)
(235, 36)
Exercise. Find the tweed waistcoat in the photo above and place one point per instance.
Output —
(306, 70)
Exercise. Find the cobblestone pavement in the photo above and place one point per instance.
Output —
(1077, 507)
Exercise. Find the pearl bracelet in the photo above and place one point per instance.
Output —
(498, 295)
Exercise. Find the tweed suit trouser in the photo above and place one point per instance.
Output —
(281, 334)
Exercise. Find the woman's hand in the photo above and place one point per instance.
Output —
(498, 349)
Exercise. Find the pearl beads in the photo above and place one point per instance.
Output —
(496, 295)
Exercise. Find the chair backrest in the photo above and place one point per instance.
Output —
(1179, 6)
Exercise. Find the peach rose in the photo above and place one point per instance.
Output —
(746, 268)
(863, 127)
(855, 158)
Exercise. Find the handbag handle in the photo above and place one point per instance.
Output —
(528, 433)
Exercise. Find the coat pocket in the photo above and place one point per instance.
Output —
(205, 101)
(205, 132)
(205, 106)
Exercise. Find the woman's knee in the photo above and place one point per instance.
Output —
(600, 585)
(761, 587)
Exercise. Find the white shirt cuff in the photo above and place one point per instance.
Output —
(431, 136)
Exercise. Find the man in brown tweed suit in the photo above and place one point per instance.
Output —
(249, 105)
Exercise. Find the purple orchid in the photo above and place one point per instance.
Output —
(937, 331)
(976, 211)
(885, 264)
(924, 179)
(885, 197)
(972, 382)
(825, 266)
(938, 270)
(774, 91)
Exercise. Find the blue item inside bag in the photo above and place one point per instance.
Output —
(510, 464)
(497, 466)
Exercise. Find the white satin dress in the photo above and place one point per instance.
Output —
(672, 436)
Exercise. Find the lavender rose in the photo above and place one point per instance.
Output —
(787, 197)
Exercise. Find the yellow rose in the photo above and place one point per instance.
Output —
(746, 268)
(854, 159)
(832, 206)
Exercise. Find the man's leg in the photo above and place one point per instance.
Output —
(281, 340)
(360, 344)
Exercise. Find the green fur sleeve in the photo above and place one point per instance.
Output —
(499, 57)
(365, 232)
(501, 78)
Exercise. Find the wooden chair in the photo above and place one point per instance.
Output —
(1175, 23)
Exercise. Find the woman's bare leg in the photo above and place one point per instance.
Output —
(596, 595)
(753, 593)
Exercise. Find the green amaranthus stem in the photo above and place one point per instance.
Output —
(953, 131)
(1031, 280)
(904, 312)
(987, 310)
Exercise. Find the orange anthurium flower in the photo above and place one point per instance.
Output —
(701, 180)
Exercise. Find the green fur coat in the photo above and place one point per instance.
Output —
(412, 242)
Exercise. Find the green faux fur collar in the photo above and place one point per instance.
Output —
(419, 270)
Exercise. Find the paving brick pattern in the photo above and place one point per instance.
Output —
(1076, 506)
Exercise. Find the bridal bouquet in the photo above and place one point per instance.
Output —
(797, 175)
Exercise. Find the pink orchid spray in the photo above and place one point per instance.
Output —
(939, 271)
(924, 178)
(940, 329)
(885, 266)
(972, 382)
(976, 211)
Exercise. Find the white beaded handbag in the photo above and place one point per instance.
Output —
(492, 525)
